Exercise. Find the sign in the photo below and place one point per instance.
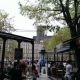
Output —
(18, 53)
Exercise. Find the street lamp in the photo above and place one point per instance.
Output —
(42, 52)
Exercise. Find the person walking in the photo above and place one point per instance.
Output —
(68, 73)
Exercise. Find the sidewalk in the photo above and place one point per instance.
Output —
(43, 76)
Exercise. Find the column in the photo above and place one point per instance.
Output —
(32, 54)
(3, 55)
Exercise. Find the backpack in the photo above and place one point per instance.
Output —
(36, 71)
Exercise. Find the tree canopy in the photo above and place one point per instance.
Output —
(6, 26)
(47, 11)
(5, 22)
(62, 35)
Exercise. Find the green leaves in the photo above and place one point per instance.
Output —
(61, 35)
(10, 48)
(5, 22)
(48, 11)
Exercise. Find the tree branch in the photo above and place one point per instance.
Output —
(66, 13)
(75, 17)
(48, 10)
(63, 10)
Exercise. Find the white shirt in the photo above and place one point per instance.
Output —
(68, 69)
(48, 65)
(38, 64)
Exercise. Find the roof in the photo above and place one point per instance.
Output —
(15, 37)
(63, 49)
(68, 45)
(67, 41)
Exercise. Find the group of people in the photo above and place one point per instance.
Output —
(22, 69)
(19, 70)
(68, 73)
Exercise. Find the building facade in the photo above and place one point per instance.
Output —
(27, 50)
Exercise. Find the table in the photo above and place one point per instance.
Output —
(60, 73)
(30, 78)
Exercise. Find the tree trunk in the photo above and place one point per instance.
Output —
(77, 54)
(78, 29)
(73, 31)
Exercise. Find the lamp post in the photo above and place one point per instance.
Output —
(42, 52)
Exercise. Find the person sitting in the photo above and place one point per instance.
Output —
(10, 73)
(56, 65)
(17, 74)
(35, 70)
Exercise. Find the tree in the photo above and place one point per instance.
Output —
(5, 22)
(64, 11)
(45, 11)
(45, 43)
(10, 47)
(6, 26)
(62, 35)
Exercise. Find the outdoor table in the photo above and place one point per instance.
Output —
(30, 78)
(60, 73)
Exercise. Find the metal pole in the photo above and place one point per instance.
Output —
(32, 55)
(54, 57)
(3, 55)
(19, 44)
(18, 60)
(62, 58)
(47, 63)
(57, 56)
(69, 56)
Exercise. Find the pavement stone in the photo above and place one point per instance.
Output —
(43, 76)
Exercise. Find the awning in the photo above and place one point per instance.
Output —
(63, 49)
(15, 37)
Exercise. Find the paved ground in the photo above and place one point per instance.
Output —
(43, 76)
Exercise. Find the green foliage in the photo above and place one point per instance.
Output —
(41, 11)
(62, 35)
(5, 22)
(46, 11)
(11, 45)
(45, 43)
(6, 26)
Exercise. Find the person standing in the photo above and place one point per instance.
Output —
(38, 67)
(68, 73)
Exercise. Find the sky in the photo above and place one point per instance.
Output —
(19, 21)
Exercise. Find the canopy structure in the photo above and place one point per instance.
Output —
(72, 47)
(15, 37)
(19, 39)
(63, 49)
(68, 45)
